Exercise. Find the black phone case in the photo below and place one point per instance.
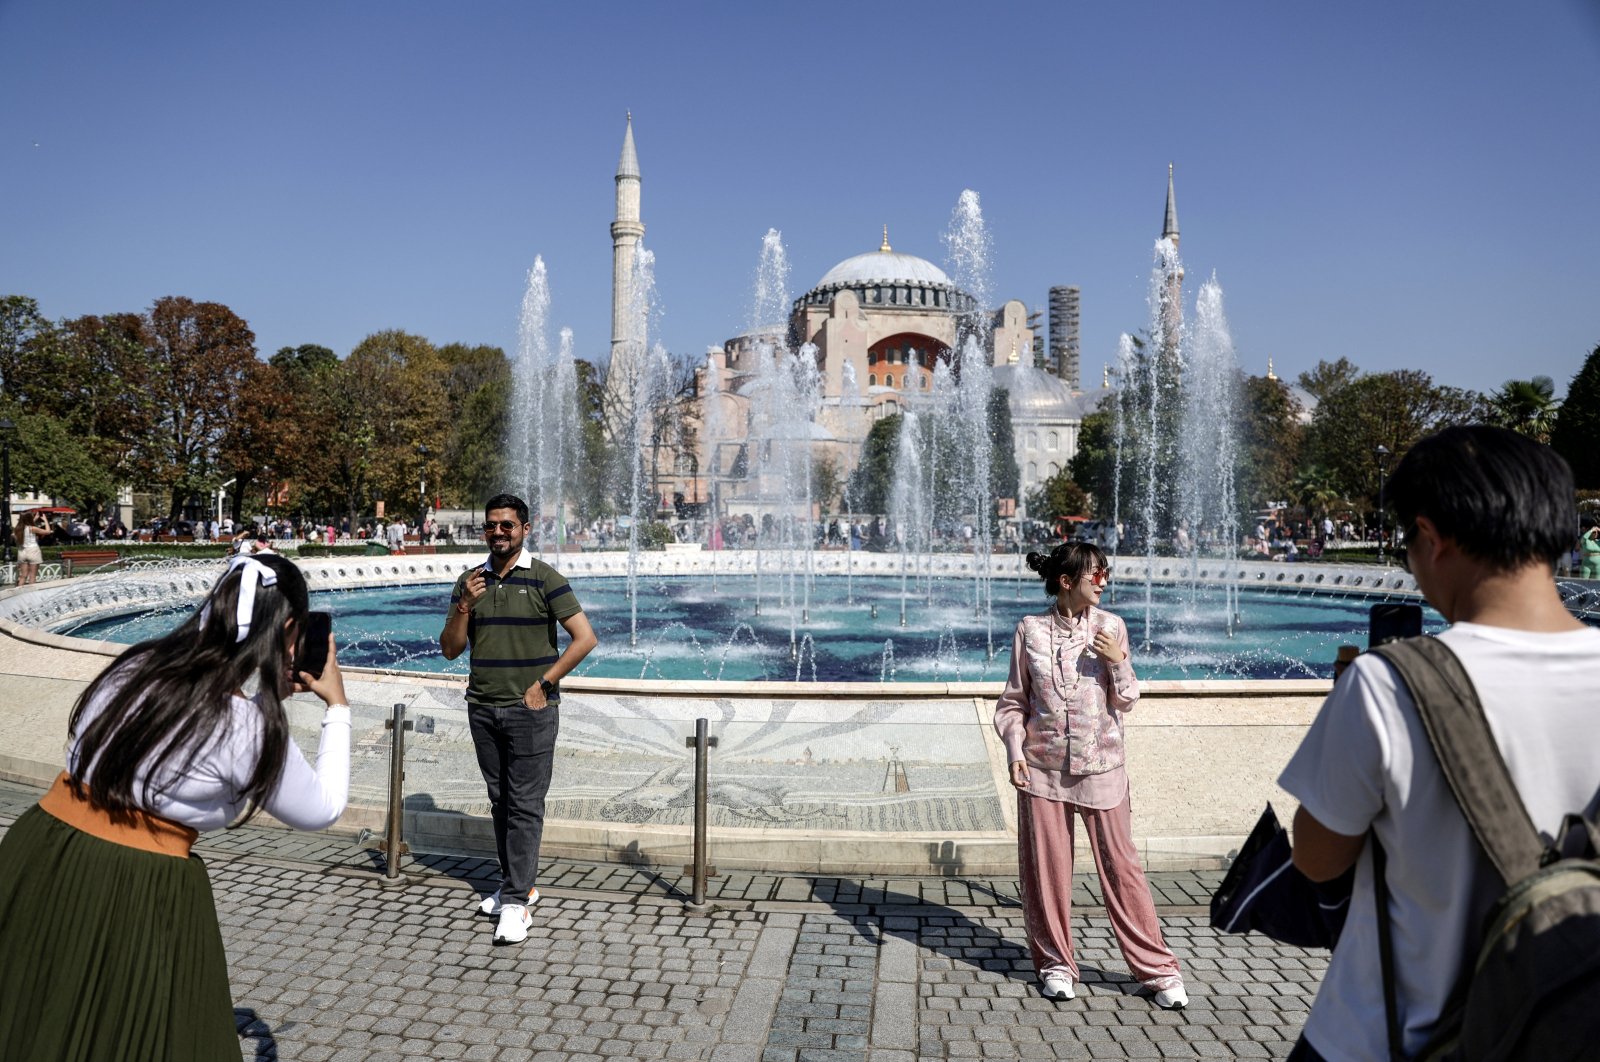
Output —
(1391, 620)
(313, 656)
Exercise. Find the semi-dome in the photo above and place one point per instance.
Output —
(1036, 394)
(884, 267)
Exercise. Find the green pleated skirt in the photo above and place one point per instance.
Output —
(107, 952)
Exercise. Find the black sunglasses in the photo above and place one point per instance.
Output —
(1402, 556)
(490, 526)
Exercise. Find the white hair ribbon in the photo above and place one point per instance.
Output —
(254, 573)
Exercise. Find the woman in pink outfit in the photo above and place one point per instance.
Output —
(1061, 720)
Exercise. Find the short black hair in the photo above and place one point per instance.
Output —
(1068, 562)
(1505, 499)
(507, 501)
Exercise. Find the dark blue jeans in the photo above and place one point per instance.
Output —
(516, 748)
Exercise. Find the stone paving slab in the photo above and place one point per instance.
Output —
(328, 964)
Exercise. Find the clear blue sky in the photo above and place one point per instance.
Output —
(1406, 184)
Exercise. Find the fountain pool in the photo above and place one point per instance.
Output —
(691, 630)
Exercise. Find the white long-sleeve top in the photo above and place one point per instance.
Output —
(207, 796)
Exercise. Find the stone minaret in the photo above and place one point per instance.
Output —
(626, 231)
(1172, 303)
(1169, 226)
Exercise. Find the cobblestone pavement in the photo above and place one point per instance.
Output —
(328, 963)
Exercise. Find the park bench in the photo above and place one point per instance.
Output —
(86, 558)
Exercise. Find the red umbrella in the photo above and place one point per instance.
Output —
(62, 509)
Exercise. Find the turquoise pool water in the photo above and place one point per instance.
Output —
(691, 631)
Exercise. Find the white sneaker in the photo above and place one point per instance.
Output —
(1057, 986)
(1174, 998)
(514, 923)
(490, 907)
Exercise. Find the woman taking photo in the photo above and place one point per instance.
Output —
(1060, 717)
(31, 527)
(108, 932)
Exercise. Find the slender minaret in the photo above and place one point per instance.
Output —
(626, 231)
(1169, 226)
(1172, 303)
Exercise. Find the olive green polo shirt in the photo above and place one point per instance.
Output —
(511, 632)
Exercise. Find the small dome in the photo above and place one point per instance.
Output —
(1036, 394)
(890, 267)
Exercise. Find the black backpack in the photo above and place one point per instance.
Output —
(1533, 989)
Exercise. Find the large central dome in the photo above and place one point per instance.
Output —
(884, 267)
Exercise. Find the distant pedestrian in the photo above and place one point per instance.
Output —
(1589, 550)
(30, 528)
(1060, 717)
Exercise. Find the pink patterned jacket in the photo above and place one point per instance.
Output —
(1062, 706)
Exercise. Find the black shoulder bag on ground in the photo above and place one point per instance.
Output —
(1532, 991)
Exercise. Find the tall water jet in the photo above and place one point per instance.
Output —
(970, 252)
(1161, 367)
(543, 431)
(527, 379)
(641, 382)
(1209, 510)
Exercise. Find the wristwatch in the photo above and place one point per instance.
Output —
(548, 687)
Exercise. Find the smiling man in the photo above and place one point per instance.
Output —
(506, 611)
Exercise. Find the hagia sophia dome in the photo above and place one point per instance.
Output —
(884, 267)
(890, 279)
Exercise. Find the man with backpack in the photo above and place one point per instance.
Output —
(1486, 514)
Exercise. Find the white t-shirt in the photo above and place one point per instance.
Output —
(1366, 762)
(207, 796)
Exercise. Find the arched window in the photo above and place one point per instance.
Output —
(888, 379)
(872, 379)
(1054, 468)
(1033, 471)
(872, 357)
(1053, 441)
(927, 380)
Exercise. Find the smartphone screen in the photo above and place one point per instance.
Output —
(312, 656)
(1391, 621)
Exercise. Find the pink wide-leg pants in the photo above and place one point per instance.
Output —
(1044, 849)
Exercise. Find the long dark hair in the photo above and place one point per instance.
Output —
(168, 699)
(1067, 562)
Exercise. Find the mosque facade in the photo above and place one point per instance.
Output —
(880, 323)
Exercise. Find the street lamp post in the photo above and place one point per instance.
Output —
(422, 451)
(7, 430)
(1381, 455)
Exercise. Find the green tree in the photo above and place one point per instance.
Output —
(1527, 407)
(1004, 475)
(872, 482)
(22, 328)
(49, 457)
(477, 383)
(1057, 497)
(1314, 490)
(826, 482)
(1271, 440)
(1328, 377)
(1575, 435)
(390, 406)
(591, 498)
(199, 356)
(1392, 409)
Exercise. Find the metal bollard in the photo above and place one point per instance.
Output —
(393, 844)
(698, 869)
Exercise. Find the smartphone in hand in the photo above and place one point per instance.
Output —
(1389, 621)
(312, 655)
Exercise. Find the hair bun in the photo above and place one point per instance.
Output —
(1037, 561)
